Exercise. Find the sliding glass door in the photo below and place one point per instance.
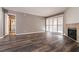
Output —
(55, 24)
(60, 24)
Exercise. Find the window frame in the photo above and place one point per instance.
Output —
(57, 16)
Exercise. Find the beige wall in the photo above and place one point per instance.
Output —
(1, 22)
(27, 23)
(6, 24)
(71, 16)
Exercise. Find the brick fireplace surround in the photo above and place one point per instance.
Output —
(73, 25)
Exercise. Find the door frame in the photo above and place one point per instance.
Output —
(15, 21)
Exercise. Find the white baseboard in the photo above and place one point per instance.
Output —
(1, 37)
(71, 38)
(29, 33)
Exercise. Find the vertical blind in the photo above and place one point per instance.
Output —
(55, 24)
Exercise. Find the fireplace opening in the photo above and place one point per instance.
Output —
(72, 32)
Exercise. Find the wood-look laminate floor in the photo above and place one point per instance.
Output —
(37, 42)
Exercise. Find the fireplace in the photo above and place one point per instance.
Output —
(72, 32)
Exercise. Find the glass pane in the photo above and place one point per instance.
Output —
(51, 29)
(55, 24)
(55, 21)
(47, 28)
(54, 28)
(60, 20)
(60, 29)
(50, 21)
(47, 22)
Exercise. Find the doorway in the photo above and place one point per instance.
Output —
(12, 24)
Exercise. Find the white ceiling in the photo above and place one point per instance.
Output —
(39, 11)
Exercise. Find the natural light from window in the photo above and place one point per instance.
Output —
(54, 24)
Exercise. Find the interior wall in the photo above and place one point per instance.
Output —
(27, 23)
(6, 24)
(1, 22)
(71, 20)
(71, 16)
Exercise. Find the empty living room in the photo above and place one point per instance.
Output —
(39, 29)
